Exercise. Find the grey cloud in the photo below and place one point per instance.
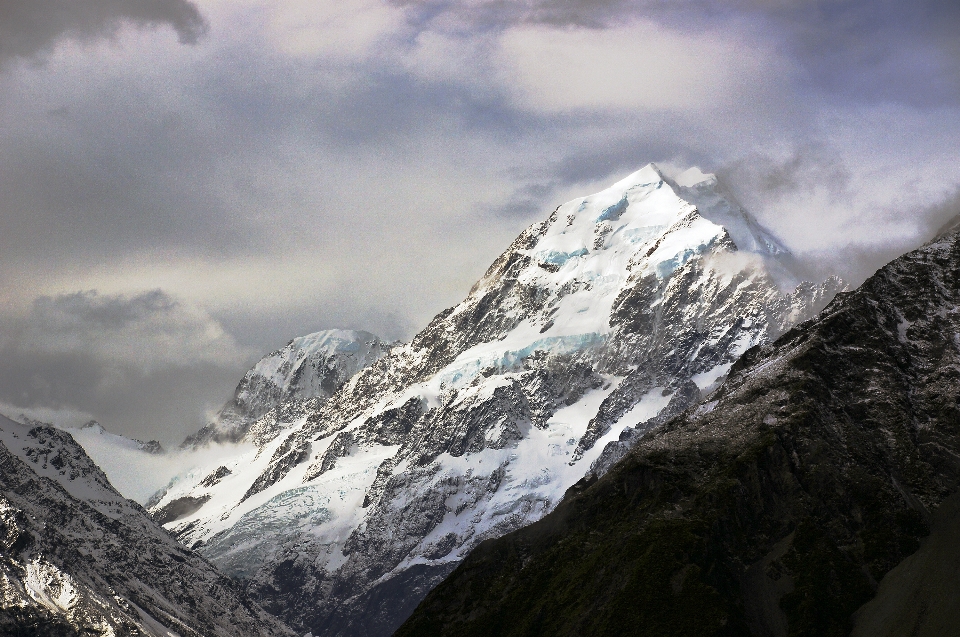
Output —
(150, 330)
(758, 177)
(857, 49)
(846, 237)
(527, 200)
(145, 365)
(270, 330)
(499, 13)
(122, 169)
(943, 216)
(117, 170)
(165, 404)
(247, 153)
(88, 310)
(31, 27)
(127, 171)
(253, 171)
(809, 16)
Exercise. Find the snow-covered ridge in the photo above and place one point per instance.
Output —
(286, 371)
(618, 310)
(135, 468)
(93, 429)
(53, 454)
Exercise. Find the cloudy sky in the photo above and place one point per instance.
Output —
(185, 186)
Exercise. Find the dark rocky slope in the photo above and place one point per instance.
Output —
(776, 508)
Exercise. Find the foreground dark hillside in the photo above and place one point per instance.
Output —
(775, 509)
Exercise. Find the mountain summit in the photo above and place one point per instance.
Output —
(307, 370)
(595, 325)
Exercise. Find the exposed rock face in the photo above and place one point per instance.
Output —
(617, 307)
(773, 509)
(76, 558)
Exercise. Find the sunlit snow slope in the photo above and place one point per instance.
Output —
(618, 310)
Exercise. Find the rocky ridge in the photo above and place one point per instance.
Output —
(618, 310)
(779, 507)
(76, 558)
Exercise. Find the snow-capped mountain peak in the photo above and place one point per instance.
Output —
(618, 310)
(284, 368)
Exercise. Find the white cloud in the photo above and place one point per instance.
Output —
(346, 29)
(59, 417)
(639, 65)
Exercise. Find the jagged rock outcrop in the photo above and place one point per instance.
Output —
(778, 507)
(617, 307)
(76, 558)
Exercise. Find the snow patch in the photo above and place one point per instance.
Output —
(707, 381)
(651, 404)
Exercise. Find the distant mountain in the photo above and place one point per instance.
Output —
(302, 374)
(94, 430)
(76, 558)
(135, 468)
(781, 506)
(616, 312)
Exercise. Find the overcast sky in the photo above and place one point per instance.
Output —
(185, 186)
